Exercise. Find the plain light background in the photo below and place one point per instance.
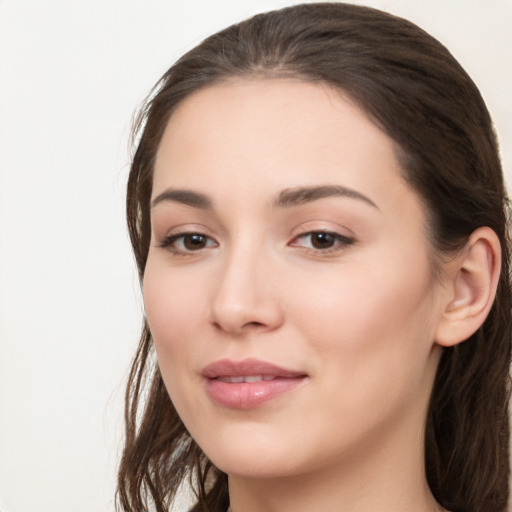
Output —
(72, 73)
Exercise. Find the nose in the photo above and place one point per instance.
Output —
(246, 298)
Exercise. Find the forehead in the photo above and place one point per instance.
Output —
(295, 119)
(262, 136)
(267, 104)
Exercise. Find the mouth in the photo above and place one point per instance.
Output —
(249, 378)
(249, 383)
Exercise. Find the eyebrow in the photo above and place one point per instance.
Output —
(187, 197)
(301, 195)
(285, 199)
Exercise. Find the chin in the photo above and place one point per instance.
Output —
(259, 468)
(254, 456)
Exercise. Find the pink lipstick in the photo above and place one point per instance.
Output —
(249, 383)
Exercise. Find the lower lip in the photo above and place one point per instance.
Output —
(248, 395)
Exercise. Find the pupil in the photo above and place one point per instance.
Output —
(322, 240)
(194, 242)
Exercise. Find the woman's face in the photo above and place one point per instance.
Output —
(289, 287)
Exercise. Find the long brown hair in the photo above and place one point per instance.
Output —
(417, 93)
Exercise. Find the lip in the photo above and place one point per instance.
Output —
(231, 393)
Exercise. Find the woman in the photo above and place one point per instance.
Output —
(318, 215)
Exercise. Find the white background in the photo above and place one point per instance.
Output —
(71, 74)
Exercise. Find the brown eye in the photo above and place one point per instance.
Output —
(322, 240)
(194, 241)
(187, 242)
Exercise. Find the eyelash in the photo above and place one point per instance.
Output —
(169, 242)
(340, 241)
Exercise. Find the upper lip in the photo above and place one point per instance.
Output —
(246, 368)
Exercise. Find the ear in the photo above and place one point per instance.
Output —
(472, 282)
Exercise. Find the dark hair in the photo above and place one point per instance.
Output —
(415, 91)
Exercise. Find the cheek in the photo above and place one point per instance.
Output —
(370, 316)
(370, 344)
(172, 307)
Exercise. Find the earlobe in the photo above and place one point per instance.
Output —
(472, 282)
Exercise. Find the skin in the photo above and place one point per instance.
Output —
(359, 317)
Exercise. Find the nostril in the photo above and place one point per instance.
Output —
(248, 326)
(254, 324)
(236, 316)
